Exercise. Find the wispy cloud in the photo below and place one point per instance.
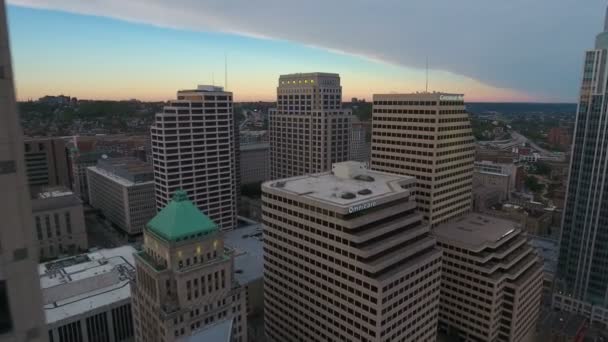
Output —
(531, 46)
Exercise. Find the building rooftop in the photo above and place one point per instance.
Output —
(560, 323)
(309, 74)
(203, 88)
(475, 230)
(54, 198)
(253, 147)
(127, 171)
(218, 332)
(75, 285)
(248, 245)
(548, 249)
(181, 219)
(349, 185)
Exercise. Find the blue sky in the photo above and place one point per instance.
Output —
(114, 57)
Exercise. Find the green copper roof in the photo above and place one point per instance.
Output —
(181, 219)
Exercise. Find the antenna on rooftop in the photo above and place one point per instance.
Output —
(427, 74)
(225, 71)
(212, 79)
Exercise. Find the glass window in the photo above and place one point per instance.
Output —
(6, 321)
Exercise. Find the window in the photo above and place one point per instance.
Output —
(47, 222)
(6, 321)
(68, 223)
(57, 229)
(38, 228)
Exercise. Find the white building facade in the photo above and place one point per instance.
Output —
(194, 148)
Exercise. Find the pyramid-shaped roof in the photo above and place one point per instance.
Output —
(181, 219)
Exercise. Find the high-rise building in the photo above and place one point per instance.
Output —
(348, 258)
(427, 136)
(309, 130)
(254, 162)
(194, 149)
(46, 162)
(583, 263)
(123, 189)
(21, 317)
(59, 223)
(185, 277)
(360, 140)
(492, 280)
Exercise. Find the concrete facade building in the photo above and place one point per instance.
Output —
(46, 162)
(348, 258)
(309, 130)
(87, 297)
(185, 277)
(123, 189)
(427, 136)
(255, 163)
(492, 280)
(80, 161)
(59, 223)
(582, 269)
(194, 149)
(360, 140)
(506, 169)
(21, 316)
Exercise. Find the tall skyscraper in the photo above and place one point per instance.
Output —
(21, 317)
(427, 136)
(309, 130)
(185, 278)
(194, 149)
(348, 258)
(583, 261)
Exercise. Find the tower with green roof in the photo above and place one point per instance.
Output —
(185, 276)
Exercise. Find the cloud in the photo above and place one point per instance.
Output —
(535, 47)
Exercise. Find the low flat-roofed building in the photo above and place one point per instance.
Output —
(88, 297)
(58, 222)
(492, 280)
(248, 248)
(123, 189)
(218, 332)
(560, 326)
(348, 258)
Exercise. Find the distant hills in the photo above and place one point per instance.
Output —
(521, 108)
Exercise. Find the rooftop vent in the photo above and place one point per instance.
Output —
(365, 178)
(364, 192)
(279, 184)
(348, 195)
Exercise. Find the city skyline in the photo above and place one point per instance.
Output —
(147, 60)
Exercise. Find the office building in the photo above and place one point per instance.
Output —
(254, 163)
(309, 130)
(360, 140)
(21, 317)
(492, 280)
(194, 149)
(59, 223)
(427, 136)
(80, 161)
(123, 189)
(87, 297)
(46, 162)
(185, 277)
(348, 258)
(582, 268)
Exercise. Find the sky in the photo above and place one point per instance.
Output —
(517, 50)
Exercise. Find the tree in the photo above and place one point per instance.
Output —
(533, 185)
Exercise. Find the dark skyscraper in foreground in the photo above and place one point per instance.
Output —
(582, 284)
(21, 317)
